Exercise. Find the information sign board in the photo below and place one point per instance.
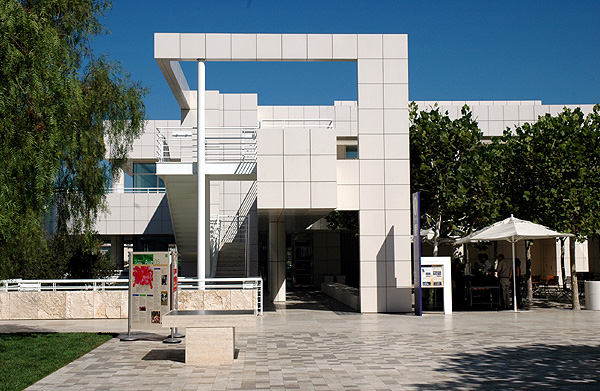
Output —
(432, 276)
(150, 289)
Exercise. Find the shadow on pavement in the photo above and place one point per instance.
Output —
(529, 367)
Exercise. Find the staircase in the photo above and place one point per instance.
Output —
(232, 260)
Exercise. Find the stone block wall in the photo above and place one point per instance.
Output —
(111, 304)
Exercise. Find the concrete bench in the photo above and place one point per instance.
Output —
(210, 334)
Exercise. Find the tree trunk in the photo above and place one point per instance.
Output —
(528, 271)
(436, 235)
(574, 286)
(562, 262)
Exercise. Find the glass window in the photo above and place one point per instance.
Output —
(144, 176)
(351, 151)
(144, 168)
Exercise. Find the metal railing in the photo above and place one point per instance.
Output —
(223, 145)
(143, 190)
(21, 285)
(296, 123)
(228, 283)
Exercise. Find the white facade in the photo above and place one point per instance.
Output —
(288, 166)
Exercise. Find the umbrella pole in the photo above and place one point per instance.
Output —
(514, 276)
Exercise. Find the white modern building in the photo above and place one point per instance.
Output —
(269, 174)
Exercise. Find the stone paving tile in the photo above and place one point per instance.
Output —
(315, 348)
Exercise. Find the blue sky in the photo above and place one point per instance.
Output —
(460, 50)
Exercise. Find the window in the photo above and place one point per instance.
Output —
(347, 148)
(144, 176)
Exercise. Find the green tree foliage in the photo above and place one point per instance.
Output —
(346, 219)
(551, 175)
(63, 112)
(451, 169)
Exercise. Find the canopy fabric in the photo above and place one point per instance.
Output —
(512, 230)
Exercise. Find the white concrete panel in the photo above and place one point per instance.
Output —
(214, 118)
(397, 172)
(231, 102)
(370, 70)
(296, 168)
(370, 247)
(248, 102)
(322, 141)
(371, 197)
(326, 112)
(496, 113)
(323, 195)
(128, 227)
(294, 47)
(370, 96)
(296, 112)
(372, 172)
(231, 187)
(320, 46)
(270, 168)
(399, 300)
(370, 146)
(342, 113)
(193, 46)
(399, 220)
(526, 113)
(347, 171)
(265, 112)
(496, 128)
(270, 195)
(371, 274)
(248, 119)
(343, 128)
(395, 96)
(323, 168)
(297, 195)
(268, 47)
(232, 118)
(370, 121)
(395, 70)
(372, 222)
(395, 121)
(166, 45)
(269, 141)
(511, 113)
(243, 47)
(345, 47)
(218, 47)
(395, 45)
(397, 146)
(370, 46)
(397, 196)
(348, 197)
(480, 113)
(296, 142)
(541, 110)
(311, 112)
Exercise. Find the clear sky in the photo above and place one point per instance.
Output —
(458, 50)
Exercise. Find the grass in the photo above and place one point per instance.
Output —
(28, 357)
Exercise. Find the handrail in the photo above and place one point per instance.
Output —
(129, 190)
(20, 285)
(285, 122)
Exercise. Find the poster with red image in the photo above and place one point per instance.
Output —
(149, 284)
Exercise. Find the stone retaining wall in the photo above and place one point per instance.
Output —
(111, 304)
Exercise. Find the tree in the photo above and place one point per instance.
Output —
(450, 169)
(556, 174)
(63, 112)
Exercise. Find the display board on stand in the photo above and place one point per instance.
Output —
(435, 273)
(150, 282)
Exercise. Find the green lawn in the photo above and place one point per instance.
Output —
(28, 357)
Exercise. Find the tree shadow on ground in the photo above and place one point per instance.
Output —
(528, 367)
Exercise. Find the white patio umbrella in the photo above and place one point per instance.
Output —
(512, 230)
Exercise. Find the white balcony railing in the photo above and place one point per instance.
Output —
(222, 145)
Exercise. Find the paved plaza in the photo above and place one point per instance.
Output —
(320, 345)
